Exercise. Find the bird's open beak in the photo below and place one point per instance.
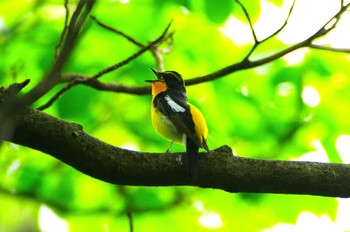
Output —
(157, 74)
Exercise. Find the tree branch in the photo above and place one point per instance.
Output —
(109, 28)
(328, 48)
(95, 83)
(64, 31)
(156, 52)
(220, 169)
(246, 63)
(9, 113)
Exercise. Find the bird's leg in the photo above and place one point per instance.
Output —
(168, 150)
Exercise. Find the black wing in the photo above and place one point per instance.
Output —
(175, 107)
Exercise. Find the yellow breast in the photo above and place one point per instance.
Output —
(165, 127)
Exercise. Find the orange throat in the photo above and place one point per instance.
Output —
(158, 87)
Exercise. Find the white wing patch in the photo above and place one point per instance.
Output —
(173, 105)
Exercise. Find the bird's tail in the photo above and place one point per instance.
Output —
(191, 158)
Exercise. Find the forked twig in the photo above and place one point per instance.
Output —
(152, 44)
(10, 111)
(251, 25)
(257, 42)
(92, 80)
(156, 52)
(244, 64)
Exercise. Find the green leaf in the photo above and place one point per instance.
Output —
(218, 11)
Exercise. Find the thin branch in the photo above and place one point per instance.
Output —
(131, 221)
(57, 95)
(256, 40)
(109, 28)
(155, 42)
(9, 113)
(116, 87)
(64, 32)
(156, 52)
(327, 48)
(326, 28)
(166, 50)
(52, 78)
(244, 64)
(283, 25)
(106, 86)
(98, 85)
(93, 82)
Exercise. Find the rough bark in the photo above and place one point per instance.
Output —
(220, 169)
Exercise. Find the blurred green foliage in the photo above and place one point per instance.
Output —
(260, 113)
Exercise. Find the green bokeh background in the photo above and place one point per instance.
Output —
(259, 112)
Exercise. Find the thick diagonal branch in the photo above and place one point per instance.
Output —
(219, 169)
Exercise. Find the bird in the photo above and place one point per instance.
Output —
(176, 119)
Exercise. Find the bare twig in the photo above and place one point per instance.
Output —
(154, 43)
(8, 94)
(64, 32)
(244, 64)
(283, 25)
(327, 48)
(109, 28)
(156, 52)
(57, 95)
(98, 85)
(256, 40)
(131, 222)
(52, 78)
(9, 112)
(92, 81)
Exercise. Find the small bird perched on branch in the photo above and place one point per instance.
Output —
(176, 119)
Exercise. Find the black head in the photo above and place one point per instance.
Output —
(172, 79)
